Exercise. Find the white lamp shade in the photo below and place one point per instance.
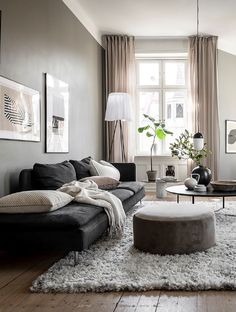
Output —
(198, 141)
(118, 107)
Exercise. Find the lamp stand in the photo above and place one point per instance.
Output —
(122, 143)
(123, 156)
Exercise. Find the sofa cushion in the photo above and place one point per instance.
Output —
(53, 176)
(82, 167)
(122, 194)
(70, 217)
(135, 187)
(34, 201)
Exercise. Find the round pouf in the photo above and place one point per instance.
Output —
(171, 228)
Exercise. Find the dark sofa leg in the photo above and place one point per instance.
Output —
(76, 258)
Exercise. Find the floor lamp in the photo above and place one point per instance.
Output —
(118, 110)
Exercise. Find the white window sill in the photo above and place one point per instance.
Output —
(159, 159)
(154, 156)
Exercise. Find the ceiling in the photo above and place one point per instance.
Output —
(161, 18)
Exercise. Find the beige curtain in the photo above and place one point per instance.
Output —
(119, 77)
(203, 70)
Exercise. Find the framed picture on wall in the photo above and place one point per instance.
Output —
(19, 111)
(230, 136)
(57, 115)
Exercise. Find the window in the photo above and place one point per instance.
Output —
(161, 93)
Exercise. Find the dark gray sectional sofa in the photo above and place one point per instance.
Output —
(73, 227)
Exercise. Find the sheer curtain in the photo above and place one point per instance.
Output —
(203, 70)
(119, 77)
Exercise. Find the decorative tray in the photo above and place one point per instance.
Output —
(224, 186)
(169, 179)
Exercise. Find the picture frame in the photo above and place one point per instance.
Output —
(230, 136)
(57, 115)
(0, 35)
(19, 111)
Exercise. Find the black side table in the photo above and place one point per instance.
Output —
(181, 190)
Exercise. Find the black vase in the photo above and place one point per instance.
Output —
(205, 174)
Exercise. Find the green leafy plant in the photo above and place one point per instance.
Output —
(155, 130)
(183, 148)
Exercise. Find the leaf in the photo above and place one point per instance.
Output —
(149, 117)
(160, 133)
(141, 129)
(168, 132)
(148, 134)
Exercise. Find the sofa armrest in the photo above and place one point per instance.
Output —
(26, 180)
(127, 171)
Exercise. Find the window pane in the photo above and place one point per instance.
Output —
(174, 73)
(149, 103)
(176, 115)
(149, 73)
(175, 107)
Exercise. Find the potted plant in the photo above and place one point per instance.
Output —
(183, 148)
(155, 130)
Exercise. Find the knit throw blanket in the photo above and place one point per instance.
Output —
(87, 192)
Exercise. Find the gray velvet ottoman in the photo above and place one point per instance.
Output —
(172, 228)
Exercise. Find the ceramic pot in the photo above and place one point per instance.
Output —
(170, 171)
(152, 175)
(192, 182)
(205, 174)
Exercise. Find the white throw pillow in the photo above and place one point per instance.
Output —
(104, 169)
(34, 201)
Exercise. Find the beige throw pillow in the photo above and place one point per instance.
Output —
(34, 201)
(103, 183)
(104, 169)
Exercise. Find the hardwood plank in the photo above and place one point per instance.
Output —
(11, 266)
(17, 290)
(102, 302)
(148, 301)
(177, 301)
(216, 301)
(40, 302)
(50, 303)
(128, 302)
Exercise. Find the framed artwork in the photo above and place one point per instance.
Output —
(0, 34)
(57, 115)
(19, 112)
(230, 136)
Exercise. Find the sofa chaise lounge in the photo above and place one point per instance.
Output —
(71, 228)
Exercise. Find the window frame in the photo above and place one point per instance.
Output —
(161, 88)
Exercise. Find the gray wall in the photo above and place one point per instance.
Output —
(227, 109)
(43, 36)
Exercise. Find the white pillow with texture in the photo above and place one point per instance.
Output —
(104, 169)
(34, 201)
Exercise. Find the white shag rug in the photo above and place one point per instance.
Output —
(115, 265)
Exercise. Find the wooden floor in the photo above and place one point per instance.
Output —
(17, 273)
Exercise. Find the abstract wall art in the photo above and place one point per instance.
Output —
(57, 115)
(230, 136)
(19, 111)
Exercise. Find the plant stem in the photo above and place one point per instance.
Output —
(153, 142)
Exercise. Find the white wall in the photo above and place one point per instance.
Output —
(227, 109)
